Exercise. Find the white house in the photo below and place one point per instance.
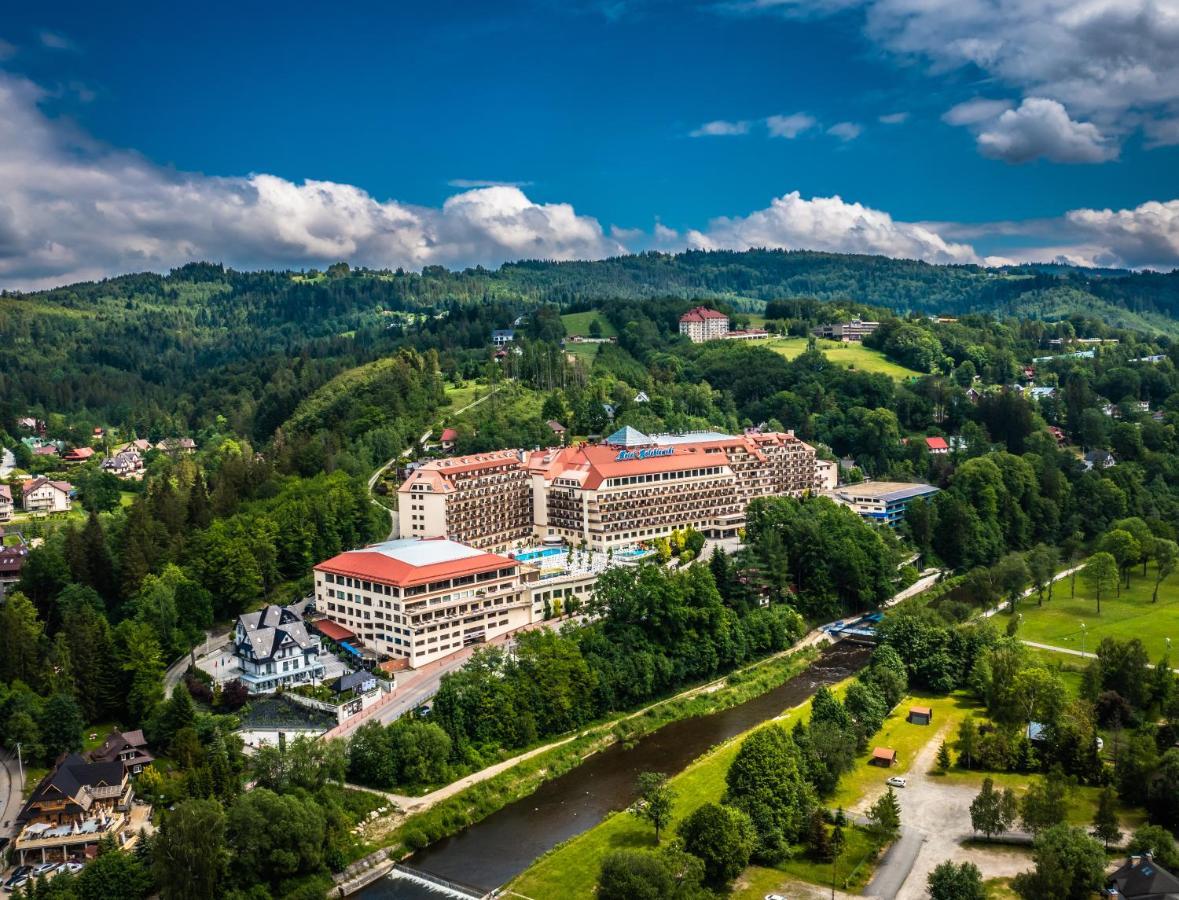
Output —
(42, 495)
(274, 650)
(124, 464)
(1098, 459)
(5, 503)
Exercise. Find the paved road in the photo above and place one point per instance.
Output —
(1060, 576)
(11, 794)
(7, 462)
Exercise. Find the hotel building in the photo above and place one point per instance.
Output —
(484, 500)
(632, 487)
(881, 501)
(635, 487)
(704, 324)
(419, 600)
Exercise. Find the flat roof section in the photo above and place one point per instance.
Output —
(889, 491)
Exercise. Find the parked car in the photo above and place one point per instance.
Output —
(72, 867)
(775, 897)
(43, 869)
(896, 781)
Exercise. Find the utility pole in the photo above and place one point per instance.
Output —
(21, 765)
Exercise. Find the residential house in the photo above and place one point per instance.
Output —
(78, 455)
(139, 445)
(45, 450)
(274, 650)
(609, 410)
(1042, 393)
(40, 495)
(124, 464)
(1141, 878)
(448, 439)
(127, 747)
(502, 337)
(27, 422)
(183, 445)
(973, 395)
(12, 561)
(641, 397)
(1098, 459)
(937, 446)
(1058, 435)
(75, 806)
(557, 428)
(6, 506)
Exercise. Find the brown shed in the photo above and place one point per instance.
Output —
(883, 756)
(920, 715)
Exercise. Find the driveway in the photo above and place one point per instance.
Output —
(7, 462)
(936, 826)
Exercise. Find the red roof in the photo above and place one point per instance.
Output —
(79, 453)
(700, 313)
(332, 631)
(377, 566)
(936, 443)
(449, 434)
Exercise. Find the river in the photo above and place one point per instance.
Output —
(490, 853)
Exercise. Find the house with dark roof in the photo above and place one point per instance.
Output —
(1141, 878)
(74, 806)
(126, 747)
(12, 560)
(1098, 459)
(274, 650)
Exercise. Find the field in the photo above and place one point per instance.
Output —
(571, 870)
(1058, 622)
(459, 396)
(579, 323)
(583, 352)
(853, 356)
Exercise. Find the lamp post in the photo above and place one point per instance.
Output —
(1082, 639)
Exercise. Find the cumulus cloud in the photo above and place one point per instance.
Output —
(720, 128)
(1042, 128)
(790, 126)
(1144, 237)
(845, 131)
(1114, 63)
(828, 223)
(71, 209)
(896, 118)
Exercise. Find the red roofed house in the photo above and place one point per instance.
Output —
(42, 495)
(937, 446)
(45, 450)
(703, 324)
(1058, 435)
(449, 438)
(421, 600)
(78, 455)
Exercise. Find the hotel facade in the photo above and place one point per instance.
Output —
(420, 600)
(632, 487)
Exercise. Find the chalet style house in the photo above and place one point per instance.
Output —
(126, 747)
(6, 506)
(40, 495)
(73, 808)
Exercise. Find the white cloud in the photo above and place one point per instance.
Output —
(790, 126)
(845, 131)
(1144, 237)
(979, 109)
(54, 41)
(1114, 63)
(720, 128)
(828, 223)
(896, 118)
(484, 183)
(1042, 128)
(71, 210)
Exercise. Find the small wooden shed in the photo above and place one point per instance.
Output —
(883, 756)
(920, 715)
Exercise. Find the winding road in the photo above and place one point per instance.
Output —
(7, 462)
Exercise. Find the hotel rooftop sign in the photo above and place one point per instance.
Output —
(645, 453)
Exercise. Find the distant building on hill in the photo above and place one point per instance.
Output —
(881, 501)
(848, 332)
(703, 324)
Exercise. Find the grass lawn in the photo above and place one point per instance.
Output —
(904, 737)
(571, 870)
(1000, 889)
(579, 323)
(853, 869)
(586, 353)
(100, 730)
(126, 498)
(853, 356)
(1058, 622)
(459, 396)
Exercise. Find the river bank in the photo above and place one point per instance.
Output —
(594, 775)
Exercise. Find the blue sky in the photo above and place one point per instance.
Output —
(974, 130)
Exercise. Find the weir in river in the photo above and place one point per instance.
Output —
(492, 852)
